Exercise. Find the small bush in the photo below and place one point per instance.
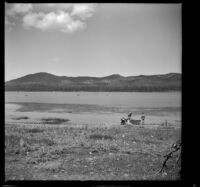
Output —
(135, 122)
(100, 136)
(22, 117)
(35, 130)
(54, 120)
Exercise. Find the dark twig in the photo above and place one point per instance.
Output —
(174, 148)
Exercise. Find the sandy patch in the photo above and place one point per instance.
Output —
(10, 107)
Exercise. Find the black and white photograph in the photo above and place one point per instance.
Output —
(93, 91)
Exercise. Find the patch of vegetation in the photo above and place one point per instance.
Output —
(135, 122)
(54, 120)
(163, 134)
(72, 153)
(100, 137)
(12, 141)
(44, 141)
(13, 147)
(34, 130)
(146, 141)
(166, 134)
(20, 118)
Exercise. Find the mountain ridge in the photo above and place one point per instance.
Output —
(43, 81)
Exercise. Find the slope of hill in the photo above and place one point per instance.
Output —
(48, 82)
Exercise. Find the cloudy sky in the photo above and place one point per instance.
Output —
(92, 39)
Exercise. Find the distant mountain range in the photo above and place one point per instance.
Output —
(48, 82)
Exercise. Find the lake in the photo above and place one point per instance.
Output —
(132, 99)
(94, 107)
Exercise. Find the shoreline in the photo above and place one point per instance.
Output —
(87, 114)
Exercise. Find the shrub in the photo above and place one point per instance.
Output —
(135, 122)
(54, 120)
(35, 130)
(22, 117)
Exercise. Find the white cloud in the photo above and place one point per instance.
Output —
(62, 17)
(80, 10)
(83, 10)
(60, 6)
(19, 8)
(75, 25)
(60, 21)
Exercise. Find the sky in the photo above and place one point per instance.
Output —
(92, 39)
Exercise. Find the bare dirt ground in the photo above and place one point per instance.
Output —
(57, 148)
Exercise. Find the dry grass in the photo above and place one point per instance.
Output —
(67, 153)
(100, 137)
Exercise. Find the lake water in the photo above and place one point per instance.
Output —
(129, 99)
(96, 108)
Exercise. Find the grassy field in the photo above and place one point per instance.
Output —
(53, 152)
